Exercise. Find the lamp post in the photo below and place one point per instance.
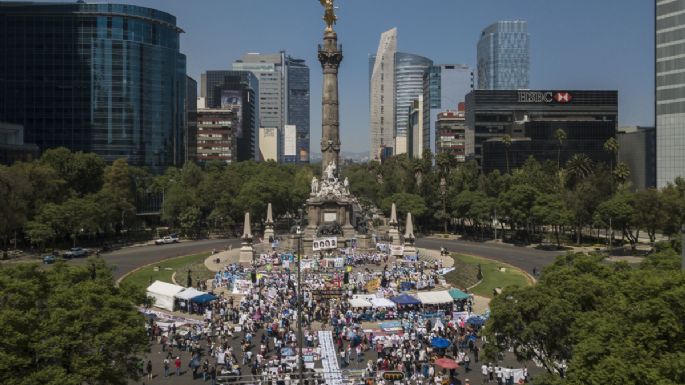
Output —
(443, 193)
(300, 360)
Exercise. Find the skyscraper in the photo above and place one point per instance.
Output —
(103, 78)
(448, 86)
(382, 94)
(190, 133)
(283, 98)
(670, 91)
(410, 71)
(503, 61)
(239, 91)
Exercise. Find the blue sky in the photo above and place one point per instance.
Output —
(575, 44)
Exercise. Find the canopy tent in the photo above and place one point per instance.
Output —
(446, 363)
(359, 302)
(204, 298)
(440, 343)
(189, 294)
(405, 299)
(382, 302)
(365, 297)
(163, 294)
(458, 294)
(434, 297)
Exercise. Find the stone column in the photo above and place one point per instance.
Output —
(330, 56)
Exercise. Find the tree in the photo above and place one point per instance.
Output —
(560, 136)
(578, 168)
(551, 210)
(598, 318)
(619, 210)
(15, 192)
(190, 220)
(68, 325)
(405, 203)
(506, 140)
(118, 184)
(649, 213)
(516, 207)
(621, 173)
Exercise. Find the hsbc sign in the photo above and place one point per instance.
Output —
(544, 97)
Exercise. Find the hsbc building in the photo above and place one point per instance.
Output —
(531, 118)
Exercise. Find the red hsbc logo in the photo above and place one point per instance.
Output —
(562, 97)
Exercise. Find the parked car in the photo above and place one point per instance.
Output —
(48, 259)
(173, 238)
(76, 252)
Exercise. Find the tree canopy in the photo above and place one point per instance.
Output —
(609, 323)
(68, 325)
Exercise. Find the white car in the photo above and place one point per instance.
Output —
(166, 240)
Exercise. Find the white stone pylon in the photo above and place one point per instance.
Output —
(393, 215)
(409, 229)
(246, 250)
(269, 233)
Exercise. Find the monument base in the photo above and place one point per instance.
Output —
(394, 235)
(269, 234)
(409, 250)
(246, 255)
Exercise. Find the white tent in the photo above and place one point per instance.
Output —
(359, 302)
(189, 294)
(365, 297)
(163, 294)
(434, 297)
(382, 302)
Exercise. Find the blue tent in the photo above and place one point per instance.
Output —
(476, 320)
(440, 343)
(405, 299)
(204, 298)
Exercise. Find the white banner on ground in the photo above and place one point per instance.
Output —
(325, 243)
(329, 359)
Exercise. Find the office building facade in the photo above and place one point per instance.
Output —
(410, 73)
(216, 135)
(503, 56)
(670, 90)
(239, 91)
(531, 118)
(284, 98)
(416, 129)
(453, 135)
(637, 149)
(190, 133)
(448, 85)
(382, 96)
(102, 78)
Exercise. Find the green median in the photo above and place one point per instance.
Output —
(164, 270)
(495, 275)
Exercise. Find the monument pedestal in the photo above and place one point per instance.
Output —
(394, 235)
(246, 254)
(269, 234)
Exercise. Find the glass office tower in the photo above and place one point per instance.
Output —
(410, 70)
(104, 78)
(670, 91)
(503, 61)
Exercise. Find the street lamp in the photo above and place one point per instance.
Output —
(300, 358)
(443, 193)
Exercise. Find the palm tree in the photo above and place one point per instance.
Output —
(622, 172)
(579, 167)
(560, 136)
(506, 139)
(611, 146)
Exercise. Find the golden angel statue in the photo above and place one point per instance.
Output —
(329, 15)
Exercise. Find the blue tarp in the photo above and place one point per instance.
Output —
(204, 298)
(476, 320)
(440, 343)
(405, 299)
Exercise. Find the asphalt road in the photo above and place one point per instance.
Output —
(524, 258)
(127, 259)
(130, 258)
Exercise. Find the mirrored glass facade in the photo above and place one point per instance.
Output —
(503, 60)
(410, 70)
(104, 78)
(670, 90)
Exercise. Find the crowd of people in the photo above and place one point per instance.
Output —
(254, 335)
